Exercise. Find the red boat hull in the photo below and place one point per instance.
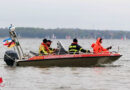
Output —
(78, 60)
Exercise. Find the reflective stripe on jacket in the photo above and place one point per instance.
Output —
(75, 48)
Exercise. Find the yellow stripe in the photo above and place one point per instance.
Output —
(73, 50)
(72, 46)
(81, 49)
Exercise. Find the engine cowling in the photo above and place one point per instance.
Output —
(10, 57)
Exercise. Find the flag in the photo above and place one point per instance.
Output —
(12, 44)
(6, 42)
(9, 42)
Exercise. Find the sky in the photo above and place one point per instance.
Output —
(84, 14)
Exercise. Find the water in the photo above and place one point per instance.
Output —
(109, 77)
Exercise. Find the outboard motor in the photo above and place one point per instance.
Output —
(10, 57)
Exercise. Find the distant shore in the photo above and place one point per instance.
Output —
(66, 33)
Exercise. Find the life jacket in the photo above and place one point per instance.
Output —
(43, 50)
(51, 50)
(97, 47)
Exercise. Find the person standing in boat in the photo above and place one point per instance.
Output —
(43, 49)
(74, 48)
(97, 47)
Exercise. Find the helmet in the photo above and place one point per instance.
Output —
(75, 40)
(45, 40)
(49, 41)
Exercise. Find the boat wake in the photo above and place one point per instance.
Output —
(108, 65)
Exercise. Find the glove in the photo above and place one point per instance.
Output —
(88, 51)
(109, 48)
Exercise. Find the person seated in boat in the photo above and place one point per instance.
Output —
(74, 48)
(97, 47)
(43, 49)
(49, 43)
(51, 50)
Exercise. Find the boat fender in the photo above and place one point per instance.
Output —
(10, 57)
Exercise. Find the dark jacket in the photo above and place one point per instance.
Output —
(74, 48)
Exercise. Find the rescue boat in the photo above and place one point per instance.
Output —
(60, 59)
(79, 60)
(67, 60)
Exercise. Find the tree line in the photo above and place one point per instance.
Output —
(63, 33)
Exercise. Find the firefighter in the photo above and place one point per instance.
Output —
(74, 48)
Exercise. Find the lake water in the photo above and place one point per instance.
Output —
(115, 76)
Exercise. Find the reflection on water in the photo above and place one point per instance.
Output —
(105, 77)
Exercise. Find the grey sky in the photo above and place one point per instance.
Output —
(85, 14)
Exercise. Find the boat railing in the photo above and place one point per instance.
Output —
(17, 47)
